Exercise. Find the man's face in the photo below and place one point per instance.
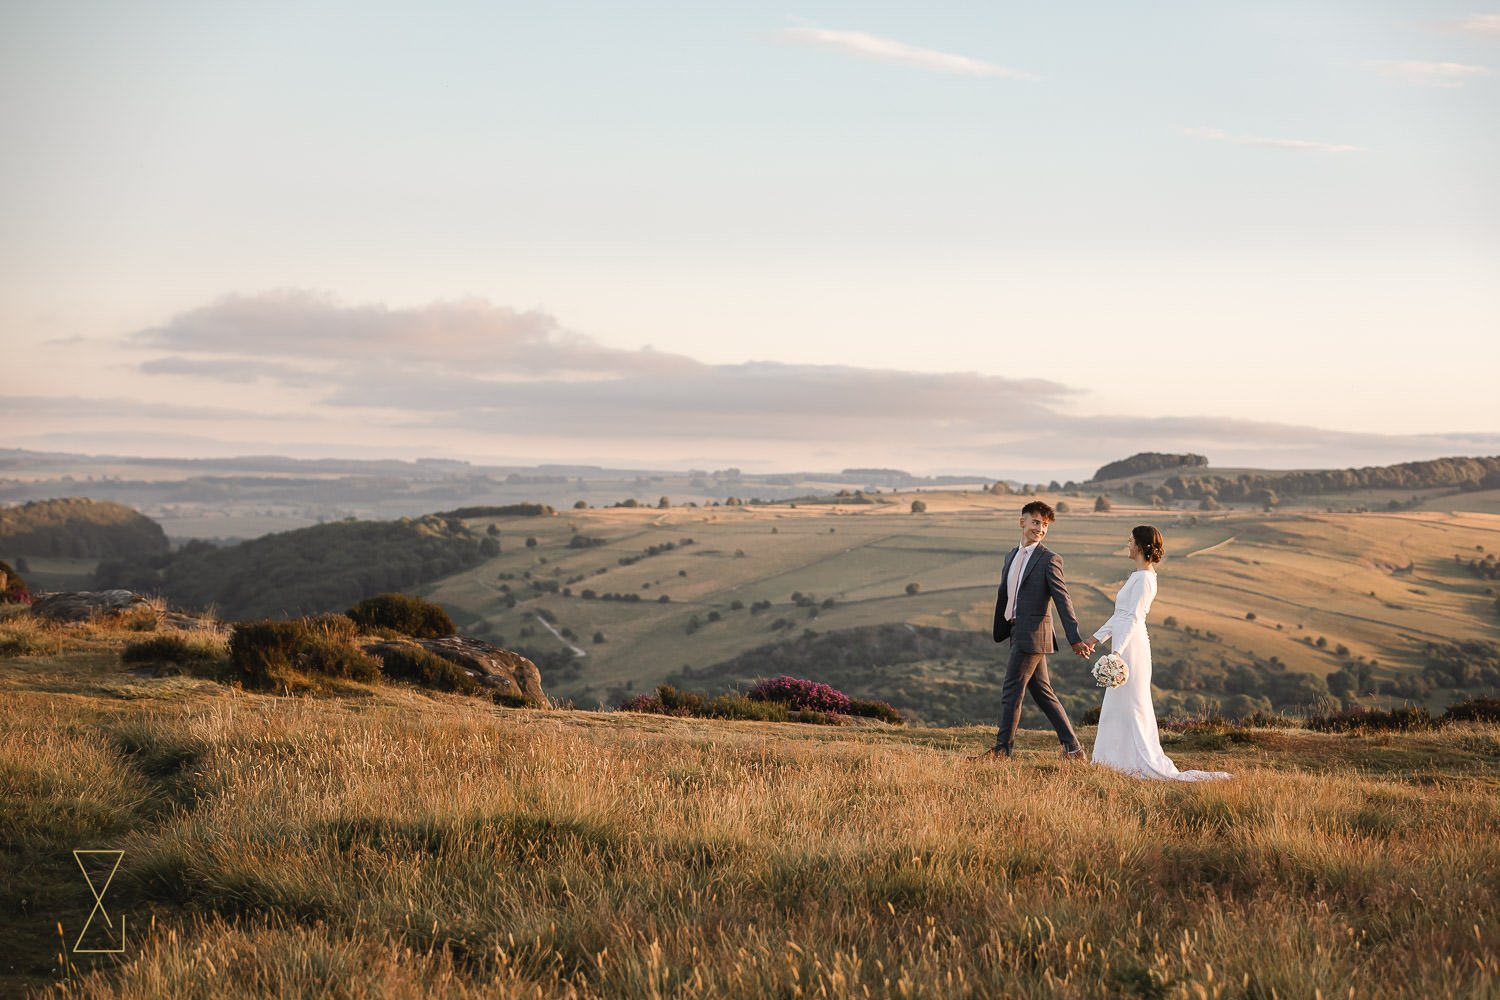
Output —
(1033, 529)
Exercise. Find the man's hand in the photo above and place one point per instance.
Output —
(1084, 648)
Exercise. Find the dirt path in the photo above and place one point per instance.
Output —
(1211, 548)
(577, 653)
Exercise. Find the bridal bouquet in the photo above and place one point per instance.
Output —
(1110, 671)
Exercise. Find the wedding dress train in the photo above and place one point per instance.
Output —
(1128, 739)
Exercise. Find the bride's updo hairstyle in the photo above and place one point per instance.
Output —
(1149, 541)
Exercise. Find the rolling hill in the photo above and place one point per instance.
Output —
(1256, 608)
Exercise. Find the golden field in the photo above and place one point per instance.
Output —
(389, 843)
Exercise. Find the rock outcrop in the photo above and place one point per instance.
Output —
(89, 605)
(510, 674)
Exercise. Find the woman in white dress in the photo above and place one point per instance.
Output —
(1128, 739)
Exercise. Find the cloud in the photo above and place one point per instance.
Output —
(475, 379)
(1487, 25)
(300, 326)
(234, 370)
(23, 410)
(889, 50)
(1428, 74)
(1295, 145)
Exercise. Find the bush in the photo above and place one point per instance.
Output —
(1472, 710)
(919, 506)
(667, 700)
(24, 635)
(404, 614)
(274, 653)
(183, 650)
(869, 709)
(1404, 719)
(12, 587)
(797, 693)
(913, 589)
(1102, 505)
(424, 667)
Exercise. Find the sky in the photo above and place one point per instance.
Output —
(1017, 240)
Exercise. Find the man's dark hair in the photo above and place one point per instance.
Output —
(1041, 510)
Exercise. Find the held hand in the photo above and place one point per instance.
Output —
(1084, 649)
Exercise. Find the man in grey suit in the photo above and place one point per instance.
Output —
(1033, 578)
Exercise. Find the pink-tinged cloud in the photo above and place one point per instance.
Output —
(1291, 145)
(869, 46)
(1428, 74)
(1486, 25)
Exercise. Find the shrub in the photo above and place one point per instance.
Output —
(913, 589)
(1212, 723)
(275, 652)
(1404, 719)
(797, 693)
(424, 667)
(1472, 710)
(919, 506)
(12, 587)
(172, 647)
(1102, 505)
(403, 613)
(24, 635)
(867, 708)
(667, 700)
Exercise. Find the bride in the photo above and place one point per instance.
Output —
(1127, 739)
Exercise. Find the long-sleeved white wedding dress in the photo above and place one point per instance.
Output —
(1128, 739)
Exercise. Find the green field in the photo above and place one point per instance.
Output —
(1374, 586)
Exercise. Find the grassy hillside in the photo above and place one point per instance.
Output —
(396, 844)
(1256, 608)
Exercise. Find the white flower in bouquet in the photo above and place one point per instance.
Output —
(1110, 671)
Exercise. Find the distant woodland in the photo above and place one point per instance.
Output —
(327, 567)
(1146, 461)
(76, 527)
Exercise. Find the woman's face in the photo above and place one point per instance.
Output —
(1134, 549)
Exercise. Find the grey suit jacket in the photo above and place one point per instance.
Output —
(1041, 583)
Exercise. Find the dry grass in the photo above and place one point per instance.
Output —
(402, 844)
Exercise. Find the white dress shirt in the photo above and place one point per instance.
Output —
(1017, 569)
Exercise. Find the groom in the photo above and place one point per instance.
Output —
(1033, 576)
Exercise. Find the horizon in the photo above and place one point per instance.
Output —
(1083, 479)
(848, 236)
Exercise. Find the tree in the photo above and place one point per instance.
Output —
(919, 506)
(598, 638)
(1062, 507)
(531, 541)
(1102, 505)
(489, 546)
(663, 503)
(913, 588)
(580, 505)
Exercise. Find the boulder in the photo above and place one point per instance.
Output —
(88, 605)
(510, 674)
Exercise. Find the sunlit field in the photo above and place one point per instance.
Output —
(391, 843)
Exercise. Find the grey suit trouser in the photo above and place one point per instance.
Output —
(1027, 671)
